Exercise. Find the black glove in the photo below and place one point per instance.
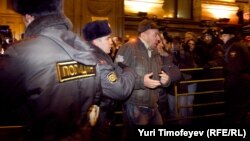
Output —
(120, 64)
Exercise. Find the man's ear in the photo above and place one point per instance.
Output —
(28, 19)
(95, 42)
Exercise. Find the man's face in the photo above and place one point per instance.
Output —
(160, 44)
(152, 37)
(225, 37)
(208, 38)
(188, 37)
(191, 45)
(104, 43)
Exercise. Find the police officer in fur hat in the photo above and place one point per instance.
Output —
(51, 78)
(98, 34)
(236, 73)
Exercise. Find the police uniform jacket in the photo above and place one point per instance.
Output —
(232, 65)
(49, 78)
(120, 83)
(117, 83)
(135, 55)
(237, 81)
(236, 65)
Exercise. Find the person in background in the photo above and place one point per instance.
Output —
(175, 75)
(236, 73)
(210, 50)
(176, 49)
(185, 102)
(190, 35)
(141, 108)
(117, 43)
(98, 34)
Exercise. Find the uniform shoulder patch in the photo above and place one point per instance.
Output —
(112, 77)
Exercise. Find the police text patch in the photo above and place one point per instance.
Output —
(71, 70)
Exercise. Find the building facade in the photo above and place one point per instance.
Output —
(178, 16)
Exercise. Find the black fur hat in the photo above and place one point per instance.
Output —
(229, 30)
(208, 31)
(245, 30)
(96, 29)
(37, 7)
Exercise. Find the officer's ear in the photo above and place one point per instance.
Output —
(95, 42)
(98, 41)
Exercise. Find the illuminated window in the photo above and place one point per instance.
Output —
(160, 8)
(178, 9)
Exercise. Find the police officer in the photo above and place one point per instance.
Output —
(236, 70)
(98, 34)
(51, 78)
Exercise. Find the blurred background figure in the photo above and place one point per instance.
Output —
(209, 48)
(190, 35)
(6, 38)
(166, 106)
(237, 75)
(117, 43)
(188, 59)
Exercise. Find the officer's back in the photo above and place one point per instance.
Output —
(48, 80)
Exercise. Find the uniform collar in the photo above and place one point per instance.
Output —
(39, 24)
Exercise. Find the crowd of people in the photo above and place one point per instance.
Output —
(63, 87)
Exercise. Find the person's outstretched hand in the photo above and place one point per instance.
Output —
(150, 83)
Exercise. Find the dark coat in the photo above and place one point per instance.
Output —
(237, 82)
(135, 55)
(123, 86)
(49, 80)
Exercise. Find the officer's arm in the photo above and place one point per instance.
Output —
(116, 86)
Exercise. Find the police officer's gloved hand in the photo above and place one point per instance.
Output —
(120, 64)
